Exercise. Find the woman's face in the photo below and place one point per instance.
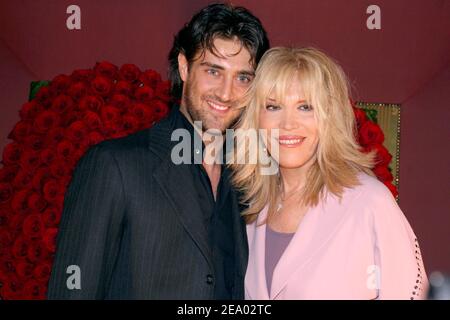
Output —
(298, 132)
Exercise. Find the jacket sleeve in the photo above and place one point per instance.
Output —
(401, 273)
(90, 230)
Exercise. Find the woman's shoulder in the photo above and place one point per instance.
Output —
(372, 189)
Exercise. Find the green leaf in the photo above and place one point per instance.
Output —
(35, 86)
(372, 114)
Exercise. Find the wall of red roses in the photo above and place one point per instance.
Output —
(405, 62)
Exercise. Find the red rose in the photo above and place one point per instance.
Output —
(106, 69)
(59, 200)
(76, 131)
(93, 103)
(24, 269)
(370, 134)
(51, 190)
(20, 131)
(95, 137)
(101, 85)
(12, 153)
(36, 202)
(61, 103)
(12, 288)
(383, 157)
(46, 120)
(6, 265)
(47, 156)
(30, 109)
(19, 202)
(383, 173)
(42, 272)
(121, 101)
(114, 129)
(59, 168)
(82, 75)
(65, 149)
(6, 191)
(110, 114)
(15, 224)
(143, 112)
(30, 160)
(33, 226)
(77, 90)
(162, 91)
(360, 116)
(60, 83)
(5, 215)
(150, 78)
(392, 188)
(37, 251)
(8, 173)
(22, 179)
(44, 96)
(144, 94)
(123, 87)
(54, 136)
(20, 248)
(41, 175)
(161, 109)
(6, 239)
(130, 72)
(49, 239)
(35, 142)
(51, 216)
(69, 117)
(130, 123)
(92, 120)
(33, 290)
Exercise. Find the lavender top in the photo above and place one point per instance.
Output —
(276, 243)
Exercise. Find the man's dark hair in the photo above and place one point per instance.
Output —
(216, 21)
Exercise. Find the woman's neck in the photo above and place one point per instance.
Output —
(293, 179)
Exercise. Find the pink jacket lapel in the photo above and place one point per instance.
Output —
(316, 229)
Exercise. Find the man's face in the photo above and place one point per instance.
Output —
(214, 84)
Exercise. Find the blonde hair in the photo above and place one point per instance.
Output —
(338, 159)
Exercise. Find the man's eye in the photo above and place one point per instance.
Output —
(305, 107)
(212, 72)
(244, 79)
(271, 107)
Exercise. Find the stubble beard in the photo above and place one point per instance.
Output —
(196, 113)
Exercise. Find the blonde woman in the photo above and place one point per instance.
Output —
(322, 227)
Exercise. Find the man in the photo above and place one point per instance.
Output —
(137, 226)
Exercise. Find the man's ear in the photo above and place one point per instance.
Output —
(182, 66)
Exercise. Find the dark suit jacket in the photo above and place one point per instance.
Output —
(133, 225)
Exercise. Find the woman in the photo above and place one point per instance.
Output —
(322, 227)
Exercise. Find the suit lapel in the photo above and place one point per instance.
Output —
(177, 185)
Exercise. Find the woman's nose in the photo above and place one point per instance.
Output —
(289, 121)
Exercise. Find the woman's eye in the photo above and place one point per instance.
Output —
(272, 107)
(305, 107)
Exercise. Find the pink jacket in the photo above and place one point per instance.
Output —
(360, 248)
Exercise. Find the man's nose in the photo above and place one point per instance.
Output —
(225, 90)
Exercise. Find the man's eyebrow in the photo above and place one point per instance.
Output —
(212, 65)
(216, 66)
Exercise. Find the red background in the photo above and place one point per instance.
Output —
(405, 62)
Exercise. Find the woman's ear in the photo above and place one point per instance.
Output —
(182, 66)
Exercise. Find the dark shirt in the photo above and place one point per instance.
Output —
(216, 214)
